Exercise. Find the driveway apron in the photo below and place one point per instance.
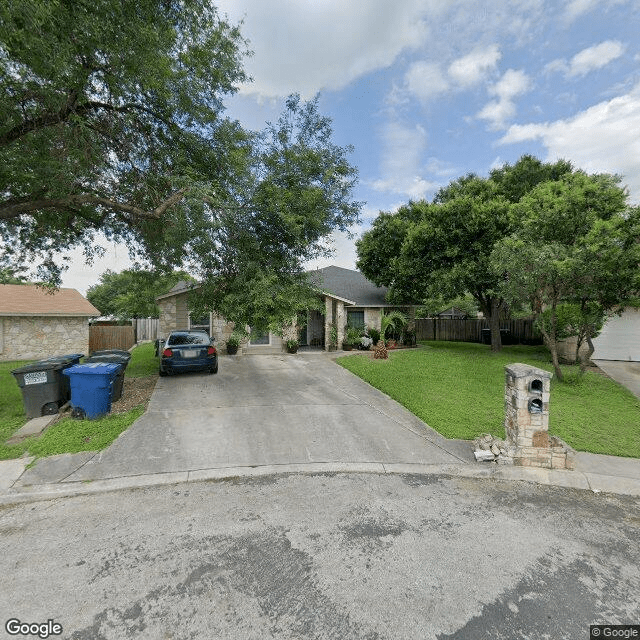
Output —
(268, 410)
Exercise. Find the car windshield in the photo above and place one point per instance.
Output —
(176, 339)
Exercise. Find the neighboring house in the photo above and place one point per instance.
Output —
(35, 324)
(619, 338)
(347, 297)
(452, 312)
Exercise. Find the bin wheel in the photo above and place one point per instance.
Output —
(78, 413)
(50, 409)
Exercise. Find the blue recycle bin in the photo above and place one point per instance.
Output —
(91, 387)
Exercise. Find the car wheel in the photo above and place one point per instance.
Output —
(162, 373)
(214, 369)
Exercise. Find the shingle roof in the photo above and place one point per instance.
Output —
(346, 284)
(349, 284)
(179, 287)
(30, 300)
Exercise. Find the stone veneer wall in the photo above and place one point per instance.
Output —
(37, 337)
(527, 437)
(167, 316)
(372, 317)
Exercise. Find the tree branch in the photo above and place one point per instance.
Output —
(10, 210)
(50, 119)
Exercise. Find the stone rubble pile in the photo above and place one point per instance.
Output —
(488, 448)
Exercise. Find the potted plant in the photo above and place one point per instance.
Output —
(351, 338)
(374, 334)
(233, 342)
(292, 346)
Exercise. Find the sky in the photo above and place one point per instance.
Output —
(429, 90)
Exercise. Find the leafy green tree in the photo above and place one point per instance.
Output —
(112, 123)
(441, 249)
(132, 293)
(299, 190)
(11, 276)
(576, 242)
(111, 120)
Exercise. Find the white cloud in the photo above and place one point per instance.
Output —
(603, 138)
(402, 161)
(577, 8)
(587, 60)
(512, 84)
(475, 66)
(594, 57)
(307, 46)
(425, 80)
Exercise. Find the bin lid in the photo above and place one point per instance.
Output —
(111, 352)
(93, 368)
(108, 357)
(60, 359)
(41, 365)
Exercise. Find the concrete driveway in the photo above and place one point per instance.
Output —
(626, 373)
(267, 410)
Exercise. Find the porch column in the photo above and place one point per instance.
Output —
(341, 320)
(328, 320)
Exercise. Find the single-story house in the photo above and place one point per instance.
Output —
(347, 296)
(35, 324)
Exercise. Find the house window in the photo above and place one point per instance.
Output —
(260, 338)
(199, 323)
(355, 318)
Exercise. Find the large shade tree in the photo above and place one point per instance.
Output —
(575, 248)
(442, 249)
(112, 124)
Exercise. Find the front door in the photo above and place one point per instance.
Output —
(315, 329)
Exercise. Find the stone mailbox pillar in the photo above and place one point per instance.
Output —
(526, 421)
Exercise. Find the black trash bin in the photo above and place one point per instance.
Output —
(113, 358)
(111, 352)
(44, 387)
(67, 360)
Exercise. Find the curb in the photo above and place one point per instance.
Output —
(596, 483)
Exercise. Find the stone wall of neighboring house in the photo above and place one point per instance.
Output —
(567, 349)
(174, 314)
(167, 316)
(38, 337)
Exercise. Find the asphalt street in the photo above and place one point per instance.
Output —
(335, 556)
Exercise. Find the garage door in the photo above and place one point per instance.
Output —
(620, 338)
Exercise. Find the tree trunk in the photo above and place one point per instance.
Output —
(494, 324)
(552, 345)
(584, 361)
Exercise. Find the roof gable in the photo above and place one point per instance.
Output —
(31, 300)
(349, 284)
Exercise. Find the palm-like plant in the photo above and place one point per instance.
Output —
(395, 319)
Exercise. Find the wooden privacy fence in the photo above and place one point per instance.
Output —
(470, 330)
(110, 337)
(146, 328)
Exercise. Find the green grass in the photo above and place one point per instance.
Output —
(143, 362)
(67, 435)
(458, 389)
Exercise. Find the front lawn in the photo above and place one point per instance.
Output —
(457, 388)
(68, 435)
